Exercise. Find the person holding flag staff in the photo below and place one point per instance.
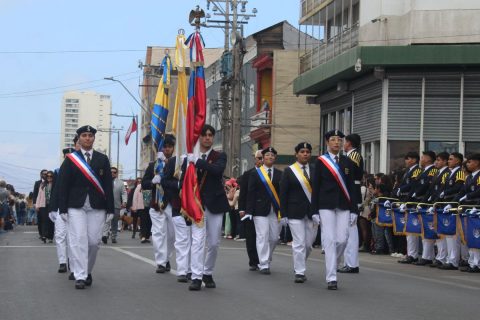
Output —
(334, 202)
(85, 194)
(350, 146)
(164, 204)
(295, 201)
(263, 204)
(210, 165)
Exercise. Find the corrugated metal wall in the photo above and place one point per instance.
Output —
(367, 111)
(471, 108)
(442, 108)
(404, 108)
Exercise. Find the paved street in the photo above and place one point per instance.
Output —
(125, 286)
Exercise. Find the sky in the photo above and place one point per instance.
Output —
(52, 46)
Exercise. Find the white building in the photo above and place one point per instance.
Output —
(86, 108)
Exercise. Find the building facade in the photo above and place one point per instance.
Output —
(404, 75)
(86, 108)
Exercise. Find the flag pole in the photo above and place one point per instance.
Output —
(136, 148)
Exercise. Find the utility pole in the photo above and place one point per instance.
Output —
(231, 87)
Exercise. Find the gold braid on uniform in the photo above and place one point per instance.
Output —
(355, 157)
(416, 173)
(460, 176)
(433, 172)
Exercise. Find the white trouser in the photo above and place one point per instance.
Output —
(474, 258)
(303, 234)
(351, 251)
(453, 250)
(163, 235)
(207, 235)
(334, 224)
(428, 252)
(267, 230)
(107, 225)
(183, 236)
(441, 250)
(412, 246)
(60, 237)
(84, 235)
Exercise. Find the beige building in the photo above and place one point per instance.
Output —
(86, 108)
(151, 76)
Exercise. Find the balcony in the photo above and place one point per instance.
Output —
(323, 52)
(308, 6)
(260, 127)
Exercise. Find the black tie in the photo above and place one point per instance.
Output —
(204, 156)
(305, 173)
(269, 174)
(336, 159)
(87, 154)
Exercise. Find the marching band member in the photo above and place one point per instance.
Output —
(334, 202)
(295, 202)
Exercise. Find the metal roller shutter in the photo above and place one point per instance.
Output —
(404, 109)
(442, 108)
(336, 104)
(367, 111)
(471, 109)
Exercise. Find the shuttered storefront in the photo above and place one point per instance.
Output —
(471, 108)
(337, 104)
(367, 111)
(404, 108)
(442, 107)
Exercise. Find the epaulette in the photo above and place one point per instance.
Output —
(478, 181)
(416, 173)
(460, 176)
(355, 157)
(445, 177)
(433, 172)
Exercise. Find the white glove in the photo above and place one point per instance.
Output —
(442, 194)
(398, 193)
(247, 216)
(109, 217)
(429, 199)
(403, 207)
(192, 158)
(64, 217)
(156, 179)
(414, 195)
(353, 219)
(183, 156)
(446, 208)
(430, 210)
(316, 219)
(53, 216)
(463, 198)
(284, 222)
(387, 204)
(473, 211)
(161, 156)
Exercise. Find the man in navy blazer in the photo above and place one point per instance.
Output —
(334, 202)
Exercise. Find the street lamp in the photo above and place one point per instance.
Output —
(126, 89)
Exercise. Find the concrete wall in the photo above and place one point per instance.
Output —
(293, 120)
(404, 22)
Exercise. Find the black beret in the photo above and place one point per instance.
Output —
(86, 129)
(303, 145)
(431, 154)
(333, 133)
(474, 156)
(269, 149)
(169, 140)
(68, 150)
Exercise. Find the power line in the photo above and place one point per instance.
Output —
(73, 51)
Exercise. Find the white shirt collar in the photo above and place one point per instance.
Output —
(475, 173)
(350, 151)
(307, 167)
(454, 170)
(413, 167)
(442, 169)
(333, 155)
(207, 153)
(428, 167)
(85, 151)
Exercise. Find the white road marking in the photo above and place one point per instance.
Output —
(138, 257)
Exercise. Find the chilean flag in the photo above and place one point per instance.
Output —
(131, 129)
(196, 112)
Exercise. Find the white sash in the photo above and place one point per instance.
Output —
(307, 188)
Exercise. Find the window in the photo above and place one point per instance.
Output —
(251, 99)
(439, 146)
(472, 147)
(398, 150)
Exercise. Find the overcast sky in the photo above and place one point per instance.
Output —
(50, 46)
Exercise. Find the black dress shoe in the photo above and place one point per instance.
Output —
(189, 276)
(62, 268)
(448, 266)
(253, 268)
(408, 260)
(114, 240)
(300, 278)
(348, 269)
(475, 269)
(423, 262)
(79, 284)
(160, 269)
(265, 271)
(332, 285)
(463, 263)
(71, 276)
(196, 285)
(436, 264)
(143, 240)
(104, 239)
(167, 267)
(208, 280)
(44, 240)
(182, 278)
(89, 280)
